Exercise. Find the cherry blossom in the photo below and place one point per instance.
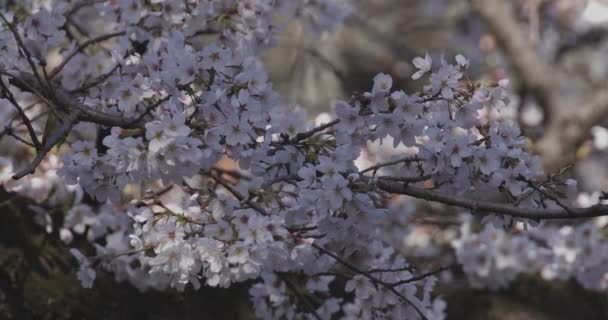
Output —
(423, 64)
(203, 175)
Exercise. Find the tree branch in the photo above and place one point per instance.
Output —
(54, 138)
(254, 205)
(424, 275)
(487, 207)
(71, 112)
(293, 288)
(97, 81)
(66, 101)
(375, 168)
(372, 278)
(82, 47)
(28, 124)
(23, 48)
(305, 135)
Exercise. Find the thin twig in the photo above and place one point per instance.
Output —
(97, 81)
(305, 135)
(300, 296)
(51, 141)
(380, 270)
(406, 179)
(424, 275)
(149, 109)
(390, 163)
(375, 280)
(543, 192)
(286, 178)
(10, 132)
(23, 48)
(9, 95)
(237, 194)
(83, 46)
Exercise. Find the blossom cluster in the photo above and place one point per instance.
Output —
(493, 258)
(297, 207)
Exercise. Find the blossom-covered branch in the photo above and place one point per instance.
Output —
(478, 207)
(231, 185)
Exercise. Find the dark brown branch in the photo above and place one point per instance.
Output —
(8, 131)
(487, 207)
(287, 178)
(203, 32)
(68, 109)
(254, 205)
(149, 109)
(300, 296)
(236, 174)
(84, 46)
(424, 275)
(380, 270)
(372, 278)
(23, 48)
(10, 126)
(97, 81)
(9, 95)
(305, 135)
(65, 101)
(406, 179)
(543, 193)
(54, 138)
(390, 163)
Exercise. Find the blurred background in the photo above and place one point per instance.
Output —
(555, 54)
